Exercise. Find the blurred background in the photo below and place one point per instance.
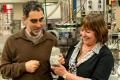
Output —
(63, 19)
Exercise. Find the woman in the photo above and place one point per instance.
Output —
(90, 58)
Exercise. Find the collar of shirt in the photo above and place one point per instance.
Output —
(95, 50)
(35, 40)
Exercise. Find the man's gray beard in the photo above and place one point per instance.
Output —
(33, 33)
(36, 32)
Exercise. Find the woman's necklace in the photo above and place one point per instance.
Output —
(83, 51)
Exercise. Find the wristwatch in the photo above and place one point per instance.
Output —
(64, 76)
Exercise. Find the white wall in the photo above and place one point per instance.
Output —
(17, 11)
(56, 14)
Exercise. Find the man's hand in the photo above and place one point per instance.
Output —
(32, 65)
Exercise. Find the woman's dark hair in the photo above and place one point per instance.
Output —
(31, 6)
(96, 23)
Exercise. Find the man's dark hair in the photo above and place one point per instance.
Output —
(31, 6)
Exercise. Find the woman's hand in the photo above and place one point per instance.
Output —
(59, 70)
(61, 59)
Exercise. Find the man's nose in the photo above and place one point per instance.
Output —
(39, 24)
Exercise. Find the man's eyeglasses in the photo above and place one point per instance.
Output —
(36, 20)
